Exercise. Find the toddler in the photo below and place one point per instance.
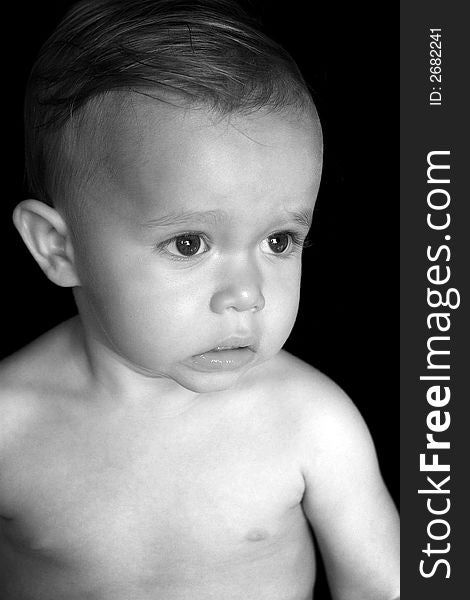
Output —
(161, 445)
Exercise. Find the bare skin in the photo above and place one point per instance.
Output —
(103, 500)
(162, 446)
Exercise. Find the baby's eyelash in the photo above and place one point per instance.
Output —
(298, 240)
(283, 243)
(203, 241)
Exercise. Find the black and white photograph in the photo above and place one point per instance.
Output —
(200, 358)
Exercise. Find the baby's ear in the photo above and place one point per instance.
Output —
(46, 235)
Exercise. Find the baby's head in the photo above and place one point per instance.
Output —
(175, 156)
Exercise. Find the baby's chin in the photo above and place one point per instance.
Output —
(215, 381)
(195, 377)
(206, 383)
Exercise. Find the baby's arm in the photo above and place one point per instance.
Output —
(353, 517)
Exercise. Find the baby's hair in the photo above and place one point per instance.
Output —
(187, 52)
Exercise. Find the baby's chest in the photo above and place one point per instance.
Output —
(159, 511)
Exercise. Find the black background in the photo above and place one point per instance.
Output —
(348, 318)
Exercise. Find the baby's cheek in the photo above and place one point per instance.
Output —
(281, 310)
(284, 293)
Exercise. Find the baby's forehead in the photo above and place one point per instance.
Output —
(131, 137)
(131, 123)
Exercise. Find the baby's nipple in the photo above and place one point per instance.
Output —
(256, 535)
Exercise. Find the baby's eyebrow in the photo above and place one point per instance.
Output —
(211, 216)
(303, 217)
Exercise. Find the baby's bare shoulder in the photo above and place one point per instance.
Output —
(44, 361)
(304, 390)
(322, 414)
(20, 404)
(28, 380)
(343, 485)
(21, 416)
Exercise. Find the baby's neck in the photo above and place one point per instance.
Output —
(108, 378)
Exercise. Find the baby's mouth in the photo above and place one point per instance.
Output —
(235, 343)
(222, 348)
(230, 354)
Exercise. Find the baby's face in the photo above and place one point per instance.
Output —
(189, 255)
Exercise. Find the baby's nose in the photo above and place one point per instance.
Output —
(240, 296)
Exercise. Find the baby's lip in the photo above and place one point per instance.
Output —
(230, 354)
(233, 342)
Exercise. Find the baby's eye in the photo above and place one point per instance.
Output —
(277, 243)
(187, 245)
